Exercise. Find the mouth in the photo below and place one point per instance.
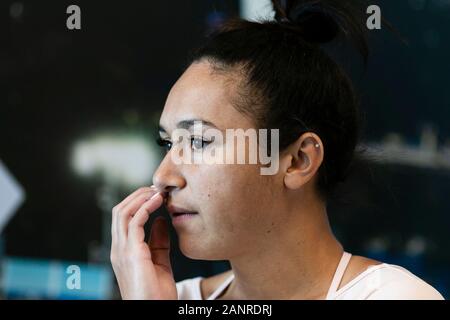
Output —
(175, 211)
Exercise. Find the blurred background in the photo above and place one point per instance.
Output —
(78, 118)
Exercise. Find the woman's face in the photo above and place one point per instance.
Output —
(236, 205)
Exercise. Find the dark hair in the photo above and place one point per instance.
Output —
(290, 83)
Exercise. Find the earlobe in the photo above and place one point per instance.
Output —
(294, 176)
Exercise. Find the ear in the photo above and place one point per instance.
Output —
(302, 160)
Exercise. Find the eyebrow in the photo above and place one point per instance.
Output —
(186, 124)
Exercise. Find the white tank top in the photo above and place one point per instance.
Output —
(382, 281)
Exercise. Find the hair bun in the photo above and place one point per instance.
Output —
(316, 24)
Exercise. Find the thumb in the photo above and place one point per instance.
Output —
(159, 243)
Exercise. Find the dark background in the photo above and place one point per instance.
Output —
(58, 86)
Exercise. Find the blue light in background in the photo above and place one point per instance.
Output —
(46, 279)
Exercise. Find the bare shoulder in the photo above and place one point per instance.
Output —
(364, 262)
(208, 285)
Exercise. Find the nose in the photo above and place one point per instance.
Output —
(168, 177)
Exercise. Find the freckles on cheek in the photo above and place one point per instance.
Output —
(227, 193)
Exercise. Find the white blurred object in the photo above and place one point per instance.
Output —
(12, 195)
(127, 161)
(256, 10)
(426, 154)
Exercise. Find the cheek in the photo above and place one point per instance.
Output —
(235, 202)
(233, 195)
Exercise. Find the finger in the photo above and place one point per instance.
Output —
(113, 230)
(159, 243)
(115, 235)
(136, 233)
(126, 213)
(133, 195)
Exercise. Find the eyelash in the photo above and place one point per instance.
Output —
(167, 144)
(164, 143)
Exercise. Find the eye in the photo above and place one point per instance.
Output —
(198, 143)
(164, 143)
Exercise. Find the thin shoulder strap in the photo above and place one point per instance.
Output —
(337, 278)
(221, 288)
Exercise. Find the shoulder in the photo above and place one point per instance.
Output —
(396, 282)
(388, 282)
(199, 288)
(357, 265)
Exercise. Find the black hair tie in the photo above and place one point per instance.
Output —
(317, 25)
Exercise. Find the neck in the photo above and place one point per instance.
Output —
(297, 260)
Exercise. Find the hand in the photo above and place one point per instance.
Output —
(143, 270)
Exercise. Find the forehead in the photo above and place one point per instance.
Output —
(201, 93)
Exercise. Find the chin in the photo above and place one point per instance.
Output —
(199, 251)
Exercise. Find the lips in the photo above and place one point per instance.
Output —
(175, 211)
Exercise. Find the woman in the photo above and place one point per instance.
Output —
(272, 228)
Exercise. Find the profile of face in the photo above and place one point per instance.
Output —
(237, 206)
